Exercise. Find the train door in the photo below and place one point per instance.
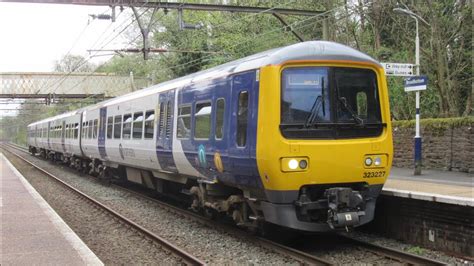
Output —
(101, 137)
(48, 129)
(241, 112)
(36, 136)
(164, 152)
(63, 135)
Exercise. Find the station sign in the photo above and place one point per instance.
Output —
(399, 69)
(416, 83)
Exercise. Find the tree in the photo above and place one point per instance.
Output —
(73, 63)
(370, 26)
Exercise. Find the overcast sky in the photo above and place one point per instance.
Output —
(36, 35)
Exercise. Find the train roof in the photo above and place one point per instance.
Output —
(49, 119)
(311, 50)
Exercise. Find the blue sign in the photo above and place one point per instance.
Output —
(416, 83)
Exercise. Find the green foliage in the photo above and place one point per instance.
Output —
(437, 123)
(416, 250)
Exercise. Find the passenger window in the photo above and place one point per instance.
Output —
(67, 131)
(242, 117)
(96, 127)
(110, 126)
(149, 124)
(76, 130)
(219, 125)
(127, 126)
(137, 125)
(117, 126)
(83, 134)
(89, 129)
(202, 116)
(184, 122)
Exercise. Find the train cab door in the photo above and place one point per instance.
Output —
(242, 94)
(164, 131)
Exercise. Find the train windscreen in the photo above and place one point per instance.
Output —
(330, 102)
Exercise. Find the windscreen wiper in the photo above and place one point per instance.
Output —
(318, 103)
(346, 106)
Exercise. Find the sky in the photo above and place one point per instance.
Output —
(34, 36)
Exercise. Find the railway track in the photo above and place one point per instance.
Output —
(180, 253)
(304, 257)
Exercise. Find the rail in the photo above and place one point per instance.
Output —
(185, 256)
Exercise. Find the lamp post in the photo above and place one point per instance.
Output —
(417, 104)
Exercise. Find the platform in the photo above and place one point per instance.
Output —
(32, 233)
(432, 185)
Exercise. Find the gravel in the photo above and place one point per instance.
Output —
(395, 244)
(109, 239)
(210, 245)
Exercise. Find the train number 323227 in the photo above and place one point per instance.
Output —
(374, 174)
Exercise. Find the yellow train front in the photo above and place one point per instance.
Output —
(324, 142)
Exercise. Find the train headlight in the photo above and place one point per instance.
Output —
(303, 164)
(375, 160)
(294, 164)
(378, 161)
(368, 161)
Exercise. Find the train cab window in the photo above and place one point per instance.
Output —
(219, 125)
(357, 96)
(184, 122)
(76, 130)
(127, 126)
(361, 102)
(95, 128)
(89, 130)
(117, 126)
(137, 125)
(242, 118)
(202, 116)
(149, 124)
(110, 127)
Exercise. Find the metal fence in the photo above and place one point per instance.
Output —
(109, 85)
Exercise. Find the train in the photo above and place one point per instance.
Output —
(298, 137)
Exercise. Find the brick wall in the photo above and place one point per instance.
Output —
(448, 144)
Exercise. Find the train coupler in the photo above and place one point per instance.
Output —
(346, 206)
